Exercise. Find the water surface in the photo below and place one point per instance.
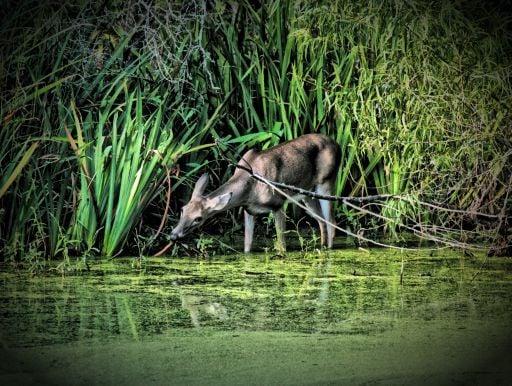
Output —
(344, 317)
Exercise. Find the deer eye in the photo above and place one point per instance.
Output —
(198, 219)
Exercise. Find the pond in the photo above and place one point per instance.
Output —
(342, 317)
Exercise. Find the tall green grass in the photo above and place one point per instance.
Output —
(98, 104)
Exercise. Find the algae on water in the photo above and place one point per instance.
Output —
(344, 317)
(342, 292)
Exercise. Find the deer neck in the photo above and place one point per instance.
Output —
(238, 186)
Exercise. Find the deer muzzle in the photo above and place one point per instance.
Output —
(176, 234)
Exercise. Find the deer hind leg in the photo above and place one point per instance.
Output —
(249, 231)
(314, 206)
(280, 221)
(326, 188)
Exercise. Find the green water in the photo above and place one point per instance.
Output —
(345, 317)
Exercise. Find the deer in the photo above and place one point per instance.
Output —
(309, 162)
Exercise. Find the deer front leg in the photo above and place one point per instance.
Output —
(280, 220)
(249, 231)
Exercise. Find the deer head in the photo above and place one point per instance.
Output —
(199, 208)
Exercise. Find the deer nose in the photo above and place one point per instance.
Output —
(176, 234)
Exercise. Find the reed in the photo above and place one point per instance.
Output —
(99, 104)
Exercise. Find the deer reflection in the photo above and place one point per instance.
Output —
(200, 305)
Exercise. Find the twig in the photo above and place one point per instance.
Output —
(320, 218)
(328, 197)
(277, 186)
(434, 206)
(164, 249)
(416, 231)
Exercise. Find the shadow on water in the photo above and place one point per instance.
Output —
(336, 294)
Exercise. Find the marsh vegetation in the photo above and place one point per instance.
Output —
(109, 111)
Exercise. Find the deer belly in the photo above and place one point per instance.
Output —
(264, 200)
(257, 209)
(265, 207)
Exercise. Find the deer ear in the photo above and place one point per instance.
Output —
(201, 184)
(219, 202)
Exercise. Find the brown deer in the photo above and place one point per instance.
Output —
(309, 162)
